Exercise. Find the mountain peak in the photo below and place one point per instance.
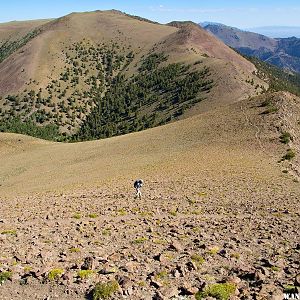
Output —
(282, 52)
(206, 23)
(58, 73)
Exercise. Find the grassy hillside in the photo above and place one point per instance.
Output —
(14, 35)
(221, 138)
(78, 65)
(213, 196)
(14, 30)
(155, 96)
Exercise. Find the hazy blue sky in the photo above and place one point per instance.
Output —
(241, 14)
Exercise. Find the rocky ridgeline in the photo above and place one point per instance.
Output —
(207, 242)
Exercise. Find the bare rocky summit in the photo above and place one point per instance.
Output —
(182, 237)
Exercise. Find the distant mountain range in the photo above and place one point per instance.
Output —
(281, 52)
(277, 31)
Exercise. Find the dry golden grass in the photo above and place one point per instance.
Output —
(212, 182)
(17, 29)
(221, 142)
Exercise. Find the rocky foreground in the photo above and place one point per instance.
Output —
(186, 239)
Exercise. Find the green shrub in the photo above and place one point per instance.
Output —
(54, 274)
(214, 250)
(5, 276)
(140, 240)
(105, 290)
(161, 275)
(197, 259)
(290, 154)
(106, 232)
(173, 213)
(275, 268)
(290, 289)
(122, 212)
(74, 250)
(11, 232)
(77, 216)
(83, 274)
(220, 291)
(93, 216)
(235, 255)
(285, 138)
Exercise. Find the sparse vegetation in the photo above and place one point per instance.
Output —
(271, 108)
(9, 232)
(5, 276)
(285, 138)
(220, 291)
(104, 291)
(202, 194)
(173, 213)
(197, 259)
(162, 275)
(214, 250)
(140, 240)
(93, 215)
(235, 255)
(278, 79)
(27, 269)
(200, 191)
(290, 154)
(290, 289)
(74, 250)
(196, 212)
(160, 242)
(84, 274)
(104, 102)
(122, 212)
(192, 201)
(77, 216)
(10, 46)
(106, 232)
(68, 99)
(55, 274)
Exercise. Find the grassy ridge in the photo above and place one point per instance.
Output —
(8, 47)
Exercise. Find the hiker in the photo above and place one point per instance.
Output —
(138, 185)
